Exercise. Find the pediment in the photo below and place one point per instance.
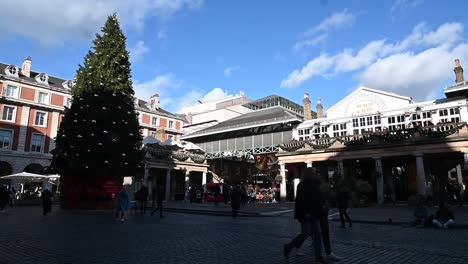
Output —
(367, 101)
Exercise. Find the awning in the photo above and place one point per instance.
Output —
(26, 176)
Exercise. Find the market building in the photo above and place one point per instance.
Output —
(398, 146)
(244, 148)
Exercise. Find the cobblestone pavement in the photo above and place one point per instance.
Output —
(93, 237)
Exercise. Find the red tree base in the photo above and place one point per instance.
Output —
(88, 192)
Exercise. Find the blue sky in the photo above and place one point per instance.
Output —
(189, 50)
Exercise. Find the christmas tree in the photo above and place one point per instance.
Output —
(99, 135)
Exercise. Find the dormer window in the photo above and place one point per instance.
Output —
(68, 84)
(42, 78)
(12, 71)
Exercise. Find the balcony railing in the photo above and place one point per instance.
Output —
(380, 137)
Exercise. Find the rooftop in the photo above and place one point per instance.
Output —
(271, 115)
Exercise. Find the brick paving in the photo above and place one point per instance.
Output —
(93, 237)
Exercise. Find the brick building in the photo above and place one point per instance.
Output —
(31, 107)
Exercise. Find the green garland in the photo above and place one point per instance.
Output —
(292, 148)
(321, 146)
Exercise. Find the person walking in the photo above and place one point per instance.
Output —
(444, 217)
(342, 201)
(122, 204)
(308, 211)
(325, 228)
(159, 201)
(12, 191)
(142, 196)
(46, 201)
(236, 197)
(226, 192)
(4, 197)
(217, 192)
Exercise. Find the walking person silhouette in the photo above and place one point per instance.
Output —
(159, 201)
(308, 211)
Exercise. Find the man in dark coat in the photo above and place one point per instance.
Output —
(4, 197)
(142, 198)
(217, 192)
(342, 202)
(236, 197)
(46, 201)
(226, 192)
(308, 211)
(159, 200)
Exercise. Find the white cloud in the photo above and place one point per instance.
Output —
(216, 93)
(195, 96)
(319, 34)
(419, 75)
(229, 70)
(417, 66)
(55, 21)
(336, 21)
(169, 87)
(403, 5)
(317, 40)
(138, 51)
(164, 85)
(317, 66)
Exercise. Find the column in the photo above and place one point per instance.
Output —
(459, 175)
(147, 183)
(145, 178)
(168, 185)
(204, 181)
(340, 168)
(297, 179)
(53, 130)
(187, 179)
(379, 180)
(296, 183)
(465, 159)
(421, 176)
(283, 182)
(23, 128)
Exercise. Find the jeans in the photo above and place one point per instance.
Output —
(309, 227)
(143, 206)
(345, 214)
(325, 233)
(441, 224)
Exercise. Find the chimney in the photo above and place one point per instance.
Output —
(319, 108)
(458, 72)
(306, 103)
(26, 67)
(154, 102)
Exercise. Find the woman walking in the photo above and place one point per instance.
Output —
(122, 204)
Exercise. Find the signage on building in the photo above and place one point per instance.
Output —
(365, 103)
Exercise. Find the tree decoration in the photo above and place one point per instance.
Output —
(103, 90)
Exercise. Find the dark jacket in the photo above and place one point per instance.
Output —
(236, 195)
(309, 200)
(342, 199)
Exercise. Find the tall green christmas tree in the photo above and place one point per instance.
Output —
(99, 135)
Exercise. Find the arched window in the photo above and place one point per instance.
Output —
(5, 168)
(34, 168)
